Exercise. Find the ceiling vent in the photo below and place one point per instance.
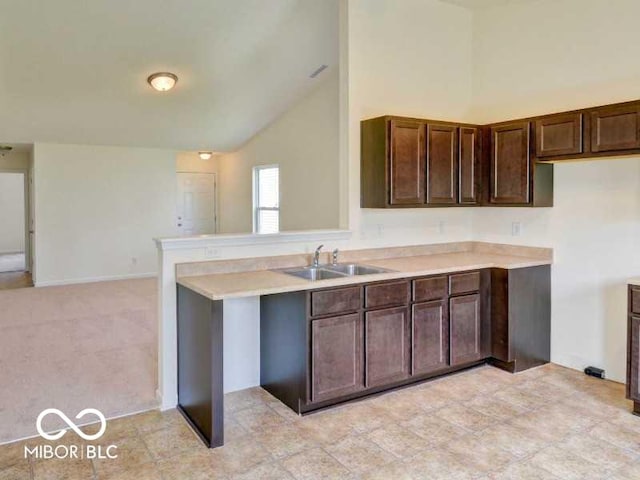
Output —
(318, 71)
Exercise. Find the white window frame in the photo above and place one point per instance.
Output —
(256, 195)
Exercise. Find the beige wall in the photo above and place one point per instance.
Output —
(304, 142)
(190, 162)
(553, 55)
(537, 57)
(503, 63)
(98, 210)
(12, 197)
(12, 202)
(14, 161)
(409, 57)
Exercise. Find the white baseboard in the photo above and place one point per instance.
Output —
(108, 278)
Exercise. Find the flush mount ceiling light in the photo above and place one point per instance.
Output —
(162, 81)
(205, 155)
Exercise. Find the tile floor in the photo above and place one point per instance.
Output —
(549, 423)
(11, 280)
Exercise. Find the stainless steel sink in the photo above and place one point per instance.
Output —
(352, 269)
(314, 273)
(340, 270)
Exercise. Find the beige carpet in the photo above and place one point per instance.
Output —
(75, 347)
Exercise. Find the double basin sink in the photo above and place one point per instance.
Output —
(340, 270)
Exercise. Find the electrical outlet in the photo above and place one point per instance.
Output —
(134, 261)
(441, 225)
(516, 229)
(211, 252)
(380, 229)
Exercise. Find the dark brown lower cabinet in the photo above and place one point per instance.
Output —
(387, 346)
(336, 357)
(465, 329)
(430, 333)
(403, 331)
(633, 374)
(633, 348)
(520, 317)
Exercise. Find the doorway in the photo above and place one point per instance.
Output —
(196, 203)
(14, 235)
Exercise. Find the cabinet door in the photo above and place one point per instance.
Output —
(510, 164)
(430, 333)
(465, 329)
(407, 163)
(336, 357)
(468, 171)
(387, 346)
(633, 359)
(442, 181)
(559, 135)
(616, 128)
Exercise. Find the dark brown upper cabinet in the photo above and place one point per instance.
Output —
(615, 129)
(559, 135)
(468, 165)
(442, 147)
(407, 163)
(411, 162)
(510, 164)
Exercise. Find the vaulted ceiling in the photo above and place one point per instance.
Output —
(480, 4)
(75, 72)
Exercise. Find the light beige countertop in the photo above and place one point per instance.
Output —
(220, 286)
(634, 281)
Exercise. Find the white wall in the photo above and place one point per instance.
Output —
(412, 58)
(553, 55)
(14, 161)
(12, 203)
(190, 162)
(304, 143)
(98, 210)
(416, 57)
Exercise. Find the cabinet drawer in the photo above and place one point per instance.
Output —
(340, 300)
(386, 294)
(434, 288)
(464, 283)
(634, 304)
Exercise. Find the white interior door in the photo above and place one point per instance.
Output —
(196, 203)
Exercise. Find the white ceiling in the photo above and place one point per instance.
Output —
(18, 147)
(480, 4)
(75, 72)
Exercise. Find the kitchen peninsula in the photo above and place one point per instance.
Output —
(434, 309)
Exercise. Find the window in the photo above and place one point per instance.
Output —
(266, 199)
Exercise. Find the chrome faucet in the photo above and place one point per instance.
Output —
(334, 257)
(316, 256)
